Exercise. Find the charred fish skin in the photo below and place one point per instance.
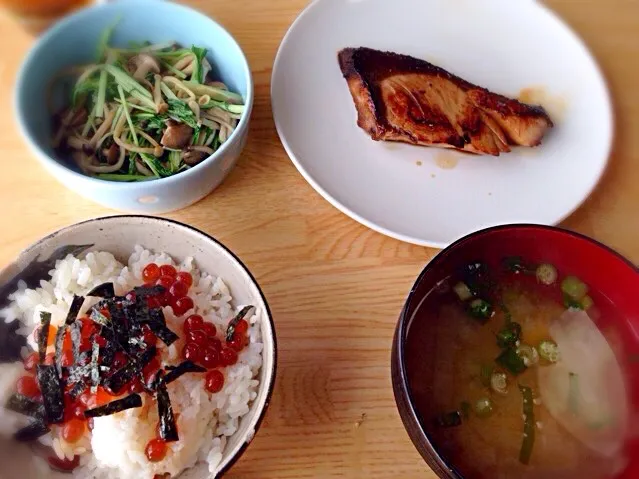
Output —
(401, 98)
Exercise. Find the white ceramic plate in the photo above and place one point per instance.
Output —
(414, 193)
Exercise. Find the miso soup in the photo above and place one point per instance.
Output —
(512, 377)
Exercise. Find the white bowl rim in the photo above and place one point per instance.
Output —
(90, 180)
(249, 434)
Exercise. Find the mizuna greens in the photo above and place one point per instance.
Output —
(145, 112)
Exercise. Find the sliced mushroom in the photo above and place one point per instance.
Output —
(140, 65)
(111, 154)
(193, 157)
(177, 135)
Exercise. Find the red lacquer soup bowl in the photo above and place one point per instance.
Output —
(613, 284)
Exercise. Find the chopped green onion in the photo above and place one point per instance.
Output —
(574, 288)
(510, 360)
(484, 407)
(548, 350)
(451, 419)
(480, 309)
(499, 382)
(528, 354)
(546, 274)
(509, 335)
(529, 425)
(485, 373)
(462, 291)
(586, 303)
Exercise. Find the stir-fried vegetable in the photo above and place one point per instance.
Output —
(484, 407)
(145, 112)
(546, 274)
(480, 309)
(510, 360)
(509, 335)
(574, 288)
(548, 350)
(529, 425)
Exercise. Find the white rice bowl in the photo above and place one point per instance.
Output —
(115, 448)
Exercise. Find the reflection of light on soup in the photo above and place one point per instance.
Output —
(579, 411)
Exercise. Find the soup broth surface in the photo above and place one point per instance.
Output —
(450, 352)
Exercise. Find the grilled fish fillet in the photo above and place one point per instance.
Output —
(401, 98)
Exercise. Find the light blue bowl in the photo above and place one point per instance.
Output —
(74, 40)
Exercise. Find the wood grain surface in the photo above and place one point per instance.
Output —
(335, 287)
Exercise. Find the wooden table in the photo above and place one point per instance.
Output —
(335, 287)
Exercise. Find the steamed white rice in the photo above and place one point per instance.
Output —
(115, 448)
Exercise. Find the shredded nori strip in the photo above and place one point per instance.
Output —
(230, 330)
(146, 291)
(74, 310)
(95, 367)
(119, 325)
(98, 317)
(182, 368)
(32, 432)
(76, 340)
(79, 387)
(157, 323)
(104, 290)
(59, 347)
(129, 402)
(125, 374)
(168, 428)
(52, 393)
(43, 334)
(24, 405)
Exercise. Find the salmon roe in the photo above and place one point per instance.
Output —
(214, 381)
(168, 270)
(155, 450)
(184, 277)
(73, 430)
(150, 273)
(27, 386)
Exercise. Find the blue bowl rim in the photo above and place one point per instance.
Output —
(48, 160)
